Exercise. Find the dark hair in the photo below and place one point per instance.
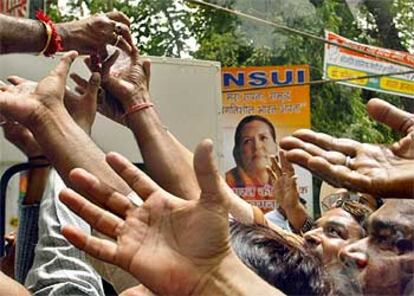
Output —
(290, 269)
(239, 129)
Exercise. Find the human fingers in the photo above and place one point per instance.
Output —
(339, 175)
(118, 17)
(79, 90)
(404, 147)
(276, 167)
(272, 174)
(136, 179)
(102, 249)
(334, 157)
(101, 220)
(327, 142)
(83, 83)
(7, 87)
(139, 290)
(123, 30)
(146, 65)
(207, 173)
(16, 80)
(100, 193)
(65, 63)
(390, 115)
(109, 62)
(286, 165)
(123, 44)
(93, 87)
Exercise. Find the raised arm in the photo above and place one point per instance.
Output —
(286, 193)
(64, 143)
(21, 35)
(160, 149)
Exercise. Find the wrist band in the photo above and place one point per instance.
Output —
(49, 37)
(137, 107)
(55, 43)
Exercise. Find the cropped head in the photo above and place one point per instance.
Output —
(342, 224)
(383, 262)
(254, 143)
(287, 267)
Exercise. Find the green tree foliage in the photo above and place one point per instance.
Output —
(163, 28)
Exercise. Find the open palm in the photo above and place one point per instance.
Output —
(385, 170)
(171, 245)
(23, 104)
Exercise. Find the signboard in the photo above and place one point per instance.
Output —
(17, 8)
(255, 101)
(343, 63)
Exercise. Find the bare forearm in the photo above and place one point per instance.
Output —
(67, 146)
(21, 35)
(297, 217)
(168, 162)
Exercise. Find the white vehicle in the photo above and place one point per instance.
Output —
(186, 93)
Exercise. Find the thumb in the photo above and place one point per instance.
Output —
(390, 115)
(64, 65)
(207, 174)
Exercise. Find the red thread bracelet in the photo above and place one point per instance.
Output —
(55, 43)
(137, 107)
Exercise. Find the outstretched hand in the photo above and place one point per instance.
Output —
(26, 105)
(82, 102)
(284, 184)
(387, 171)
(125, 81)
(170, 245)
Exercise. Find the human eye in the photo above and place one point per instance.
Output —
(404, 245)
(264, 138)
(334, 232)
(247, 141)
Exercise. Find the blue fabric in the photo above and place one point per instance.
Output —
(277, 218)
(27, 235)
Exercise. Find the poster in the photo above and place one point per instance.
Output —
(344, 63)
(259, 100)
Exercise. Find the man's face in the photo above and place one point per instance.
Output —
(257, 145)
(334, 230)
(383, 262)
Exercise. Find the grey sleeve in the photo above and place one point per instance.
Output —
(59, 268)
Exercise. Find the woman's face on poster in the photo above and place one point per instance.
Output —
(257, 145)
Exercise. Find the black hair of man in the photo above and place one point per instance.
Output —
(290, 269)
